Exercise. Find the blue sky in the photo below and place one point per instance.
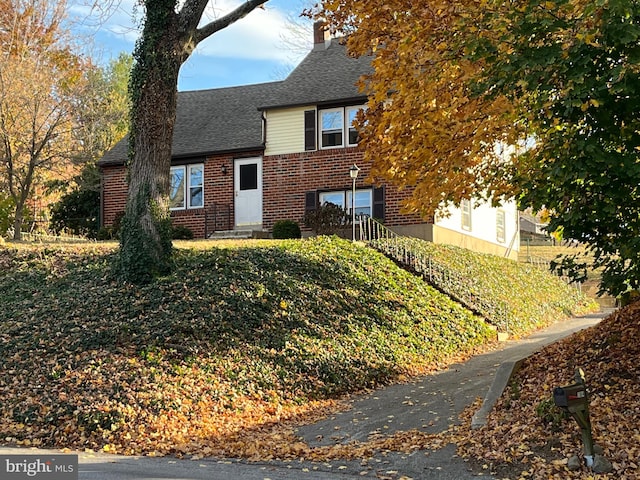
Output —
(261, 47)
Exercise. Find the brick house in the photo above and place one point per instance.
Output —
(245, 157)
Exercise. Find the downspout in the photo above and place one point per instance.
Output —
(507, 253)
(101, 215)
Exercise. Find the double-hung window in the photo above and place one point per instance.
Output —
(331, 127)
(466, 209)
(337, 127)
(500, 226)
(342, 198)
(187, 187)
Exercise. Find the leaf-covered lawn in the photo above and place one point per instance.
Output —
(526, 434)
(238, 341)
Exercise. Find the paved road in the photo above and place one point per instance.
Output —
(431, 404)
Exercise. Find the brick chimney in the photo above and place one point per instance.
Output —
(321, 36)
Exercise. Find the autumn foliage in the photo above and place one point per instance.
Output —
(41, 80)
(236, 341)
(424, 127)
(534, 100)
(528, 437)
(221, 357)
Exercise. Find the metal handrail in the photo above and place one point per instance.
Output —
(217, 217)
(463, 289)
(545, 264)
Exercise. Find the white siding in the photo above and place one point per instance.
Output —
(483, 223)
(285, 130)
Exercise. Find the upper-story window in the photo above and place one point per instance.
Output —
(331, 127)
(337, 127)
(187, 187)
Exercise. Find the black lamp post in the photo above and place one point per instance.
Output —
(353, 173)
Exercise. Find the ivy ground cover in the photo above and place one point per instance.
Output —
(529, 295)
(238, 341)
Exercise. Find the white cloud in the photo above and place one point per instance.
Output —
(115, 18)
(258, 36)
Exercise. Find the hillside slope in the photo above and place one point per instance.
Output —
(515, 296)
(234, 341)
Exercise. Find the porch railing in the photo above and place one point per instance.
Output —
(461, 288)
(217, 218)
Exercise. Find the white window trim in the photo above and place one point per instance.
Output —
(186, 169)
(465, 212)
(501, 226)
(345, 127)
(321, 130)
(175, 168)
(189, 186)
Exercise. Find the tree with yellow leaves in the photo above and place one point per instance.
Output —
(454, 81)
(424, 126)
(39, 79)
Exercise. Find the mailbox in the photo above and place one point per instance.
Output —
(572, 397)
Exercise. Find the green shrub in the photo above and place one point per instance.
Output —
(77, 212)
(180, 232)
(105, 233)
(283, 229)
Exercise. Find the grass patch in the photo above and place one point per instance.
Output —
(238, 337)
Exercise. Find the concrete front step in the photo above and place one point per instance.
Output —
(238, 234)
(230, 234)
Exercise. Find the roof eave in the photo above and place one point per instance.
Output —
(194, 155)
(320, 103)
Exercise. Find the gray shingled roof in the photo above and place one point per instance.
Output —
(210, 121)
(229, 119)
(324, 76)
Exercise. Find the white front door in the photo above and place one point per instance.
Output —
(248, 192)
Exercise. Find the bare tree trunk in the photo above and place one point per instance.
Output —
(20, 197)
(18, 220)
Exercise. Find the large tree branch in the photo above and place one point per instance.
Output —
(220, 23)
(190, 14)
